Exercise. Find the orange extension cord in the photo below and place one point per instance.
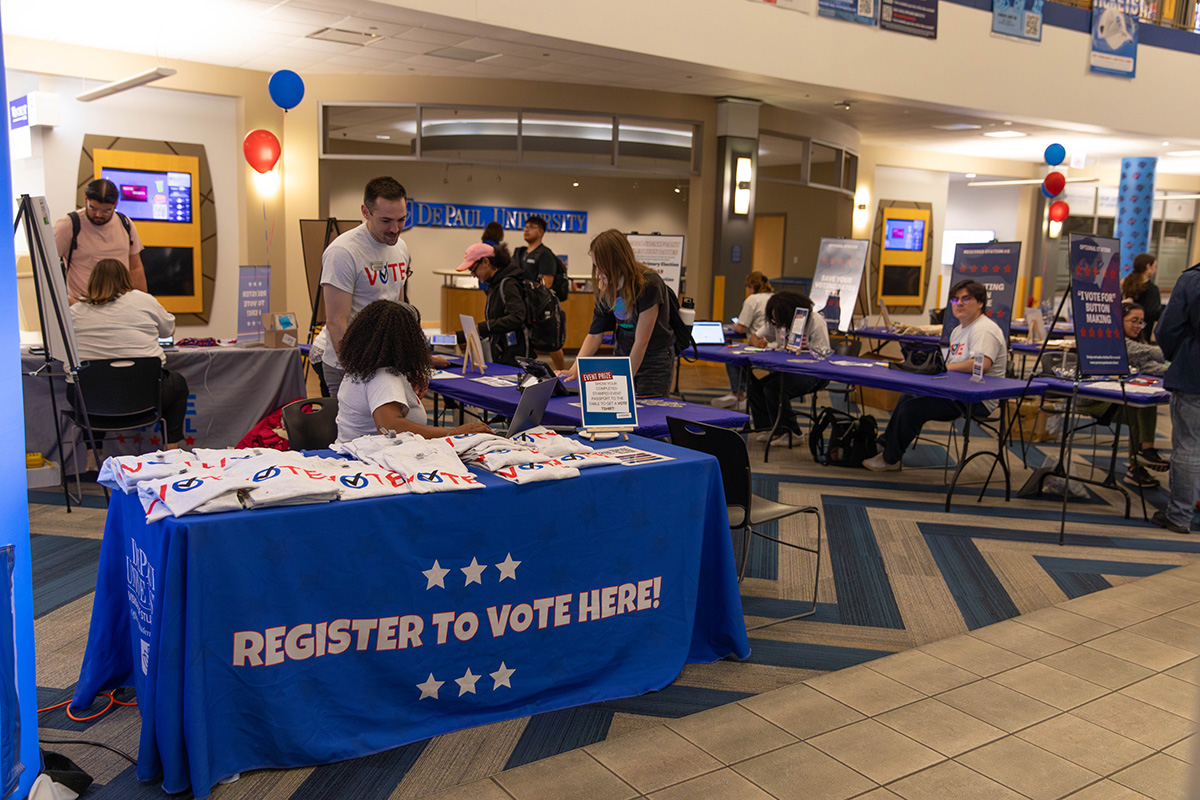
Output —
(112, 700)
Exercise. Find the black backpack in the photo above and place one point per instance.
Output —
(544, 317)
(851, 439)
(76, 225)
(682, 331)
(561, 286)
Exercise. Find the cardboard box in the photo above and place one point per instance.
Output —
(884, 399)
(1032, 426)
(280, 329)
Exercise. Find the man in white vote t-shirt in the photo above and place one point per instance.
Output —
(361, 266)
(975, 335)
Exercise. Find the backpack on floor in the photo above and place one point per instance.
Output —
(850, 440)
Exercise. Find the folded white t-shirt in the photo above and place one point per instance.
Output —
(126, 472)
(550, 443)
(531, 473)
(186, 492)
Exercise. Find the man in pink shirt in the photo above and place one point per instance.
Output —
(103, 233)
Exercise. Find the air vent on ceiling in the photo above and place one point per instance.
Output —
(344, 37)
(463, 54)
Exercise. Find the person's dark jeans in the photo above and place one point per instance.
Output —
(911, 414)
(762, 396)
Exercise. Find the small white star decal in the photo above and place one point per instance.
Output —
(435, 575)
(474, 572)
(429, 688)
(508, 569)
(466, 683)
(501, 676)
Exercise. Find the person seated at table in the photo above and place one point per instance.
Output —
(631, 298)
(975, 335)
(386, 359)
(503, 323)
(773, 395)
(1139, 287)
(750, 319)
(114, 320)
(1147, 359)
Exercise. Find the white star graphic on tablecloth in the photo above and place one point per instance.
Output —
(466, 683)
(508, 569)
(435, 574)
(474, 572)
(429, 688)
(501, 676)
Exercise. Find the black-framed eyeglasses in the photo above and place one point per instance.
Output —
(471, 269)
(961, 299)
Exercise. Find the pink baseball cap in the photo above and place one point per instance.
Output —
(473, 254)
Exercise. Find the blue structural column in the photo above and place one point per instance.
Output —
(1135, 204)
(14, 502)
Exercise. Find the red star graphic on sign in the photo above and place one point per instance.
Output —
(1008, 268)
(153, 440)
(137, 439)
(974, 268)
(121, 438)
(1000, 313)
(190, 440)
(996, 268)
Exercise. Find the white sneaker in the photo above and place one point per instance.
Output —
(877, 464)
(725, 401)
(740, 405)
(766, 436)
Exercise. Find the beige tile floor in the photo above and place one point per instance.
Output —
(1095, 699)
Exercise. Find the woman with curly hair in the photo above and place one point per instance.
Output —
(632, 299)
(386, 358)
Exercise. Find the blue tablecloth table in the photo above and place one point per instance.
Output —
(311, 634)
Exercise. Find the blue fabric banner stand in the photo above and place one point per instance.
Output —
(14, 510)
(837, 279)
(995, 266)
(1018, 19)
(606, 396)
(1135, 204)
(1115, 38)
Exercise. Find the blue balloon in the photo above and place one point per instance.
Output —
(286, 88)
(1045, 192)
(1055, 154)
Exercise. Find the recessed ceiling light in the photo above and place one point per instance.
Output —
(969, 175)
(576, 183)
(463, 54)
(958, 126)
(1005, 134)
(1185, 153)
(382, 136)
(1166, 144)
(1006, 122)
(344, 37)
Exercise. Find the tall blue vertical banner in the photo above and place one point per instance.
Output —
(994, 265)
(1096, 305)
(1135, 206)
(19, 736)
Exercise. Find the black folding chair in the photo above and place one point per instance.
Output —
(746, 509)
(311, 424)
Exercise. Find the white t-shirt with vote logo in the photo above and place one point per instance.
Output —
(366, 269)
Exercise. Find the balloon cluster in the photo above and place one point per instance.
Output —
(261, 147)
(1055, 182)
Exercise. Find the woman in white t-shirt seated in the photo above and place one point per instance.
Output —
(749, 320)
(115, 320)
(386, 359)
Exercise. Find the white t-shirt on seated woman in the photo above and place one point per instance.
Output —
(357, 400)
(128, 327)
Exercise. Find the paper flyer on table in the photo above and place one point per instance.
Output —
(607, 393)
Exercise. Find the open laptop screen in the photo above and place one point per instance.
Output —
(708, 333)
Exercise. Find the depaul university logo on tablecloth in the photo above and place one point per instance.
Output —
(141, 585)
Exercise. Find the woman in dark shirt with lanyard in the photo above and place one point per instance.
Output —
(631, 300)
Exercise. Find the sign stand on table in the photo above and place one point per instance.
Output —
(474, 346)
(606, 397)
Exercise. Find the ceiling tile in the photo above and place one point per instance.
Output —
(430, 36)
(366, 25)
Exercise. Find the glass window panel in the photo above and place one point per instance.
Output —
(655, 145)
(851, 181)
(1174, 253)
(826, 165)
(468, 134)
(381, 131)
(567, 139)
(781, 158)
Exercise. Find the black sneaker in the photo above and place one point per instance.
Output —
(1160, 519)
(1152, 459)
(1137, 476)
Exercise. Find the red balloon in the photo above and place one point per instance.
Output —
(261, 149)
(1055, 182)
(1059, 211)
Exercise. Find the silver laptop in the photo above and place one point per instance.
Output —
(531, 408)
(708, 333)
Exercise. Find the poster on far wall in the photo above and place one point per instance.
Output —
(914, 17)
(860, 11)
(1096, 305)
(663, 254)
(995, 266)
(837, 277)
(1114, 39)
(1020, 19)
